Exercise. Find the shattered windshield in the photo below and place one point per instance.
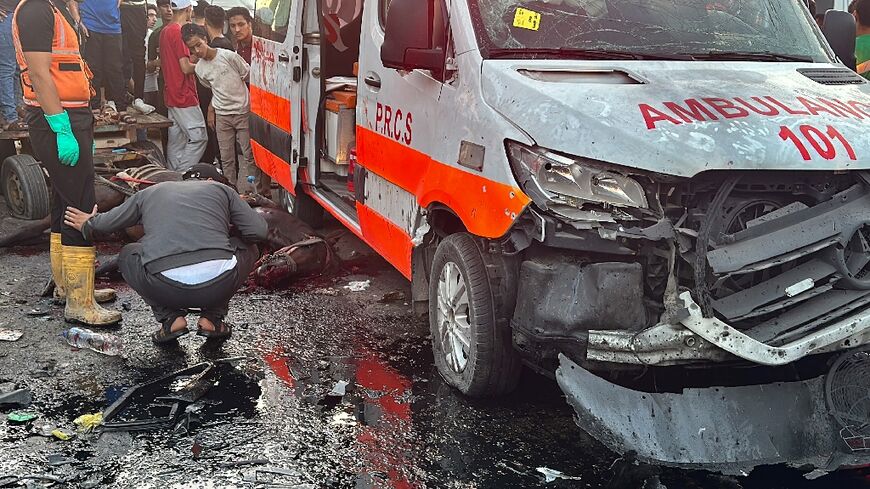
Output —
(765, 30)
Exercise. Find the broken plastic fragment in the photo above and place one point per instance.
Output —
(21, 417)
(339, 390)
(87, 422)
(10, 334)
(551, 475)
(62, 435)
(358, 286)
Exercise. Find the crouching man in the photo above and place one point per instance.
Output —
(199, 247)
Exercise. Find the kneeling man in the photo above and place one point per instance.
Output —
(199, 247)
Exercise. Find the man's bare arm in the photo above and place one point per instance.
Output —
(39, 70)
(187, 67)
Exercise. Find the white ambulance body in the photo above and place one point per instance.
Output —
(617, 189)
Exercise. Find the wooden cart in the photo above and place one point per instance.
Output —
(25, 183)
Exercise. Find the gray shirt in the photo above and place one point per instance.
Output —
(225, 75)
(185, 223)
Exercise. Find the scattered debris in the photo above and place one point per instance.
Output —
(196, 449)
(62, 434)
(343, 419)
(39, 312)
(10, 334)
(240, 463)
(359, 286)
(58, 459)
(551, 475)
(339, 390)
(88, 422)
(126, 306)
(19, 417)
(394, 296)
(328, 291)
(16, 398)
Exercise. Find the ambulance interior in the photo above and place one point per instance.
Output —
(335, 127)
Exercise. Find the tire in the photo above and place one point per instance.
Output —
(301, 206)
(155, 154)
(25, 188)
(485, 364)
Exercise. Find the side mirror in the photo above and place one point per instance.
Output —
(412, 36)
(841, 31)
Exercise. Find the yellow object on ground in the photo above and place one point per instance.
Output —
(87, 422)
(78, 274)
(61, 435)
(56, 253)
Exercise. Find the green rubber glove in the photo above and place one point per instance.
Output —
(67, 144)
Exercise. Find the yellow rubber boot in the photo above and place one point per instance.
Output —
(78, 275)
(56, 252)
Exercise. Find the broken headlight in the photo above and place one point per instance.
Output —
(554, 180)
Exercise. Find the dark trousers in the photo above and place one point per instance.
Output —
(103, 54)
(134, 28)
(70, 185)
(170, 299)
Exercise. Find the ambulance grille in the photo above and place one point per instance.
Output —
(832, 76)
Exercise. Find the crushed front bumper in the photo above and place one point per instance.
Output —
(698, 338)
(724, 429)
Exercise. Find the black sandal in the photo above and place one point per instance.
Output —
(222, 331)
(165, 333)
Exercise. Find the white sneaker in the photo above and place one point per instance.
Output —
(142, 107)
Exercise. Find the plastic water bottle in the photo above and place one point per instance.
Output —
(99, 342)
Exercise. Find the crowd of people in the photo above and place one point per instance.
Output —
(122, 41)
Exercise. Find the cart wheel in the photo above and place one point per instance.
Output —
(155, 154)
(7, 149)
(25, 188)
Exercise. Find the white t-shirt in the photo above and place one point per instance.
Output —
(225, 75)
(150, 78)
(200, 273)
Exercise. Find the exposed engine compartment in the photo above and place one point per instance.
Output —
(764, 267)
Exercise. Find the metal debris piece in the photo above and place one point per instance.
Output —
(38, 312)
(551, 475)
(10, 334)
(57, 459)
(16, 398)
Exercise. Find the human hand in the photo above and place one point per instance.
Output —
(76, 219)
(210, 119)
(194, 59)
(84, 30)
(67, 144)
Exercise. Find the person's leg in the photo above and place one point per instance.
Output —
(73, 186)
(8, 64)
(134, 24)
(151, 290)
(226, 135)
(220, 293)
(262, 180)
(92, 51)
(176, 140)
(197, 138)
(113, 69)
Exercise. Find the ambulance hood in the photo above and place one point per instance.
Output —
(682, 118)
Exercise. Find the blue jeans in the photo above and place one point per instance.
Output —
(8, 69)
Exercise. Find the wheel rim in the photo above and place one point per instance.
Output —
(14, 195)
(454, 328)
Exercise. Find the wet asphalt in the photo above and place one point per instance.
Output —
(269, 419)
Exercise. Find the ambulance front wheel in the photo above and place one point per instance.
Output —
(471, 298)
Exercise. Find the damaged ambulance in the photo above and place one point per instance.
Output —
(664, 203)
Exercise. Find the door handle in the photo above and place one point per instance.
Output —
(283, 58)
(373, 80)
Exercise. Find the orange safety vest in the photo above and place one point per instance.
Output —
(71, 75)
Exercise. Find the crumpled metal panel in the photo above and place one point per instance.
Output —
(724, 429)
